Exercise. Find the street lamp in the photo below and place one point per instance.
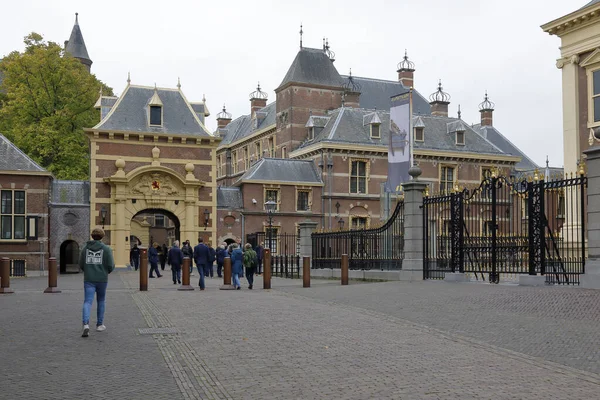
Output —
(341, 223)
(103, 215)
(270, 206)
(206, 218)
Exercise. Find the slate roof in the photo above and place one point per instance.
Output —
(346, 125)
(279, 169)
(229, 197)
(130, 113)
(244, 126)
(590, 3)
(312, 66)
(13, 159)
(376, 94)
(76, 44)
(500, 141)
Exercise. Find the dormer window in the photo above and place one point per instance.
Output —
(460, 138)
(311, 133)
(419, 134)
(156, 115)
(375, 132)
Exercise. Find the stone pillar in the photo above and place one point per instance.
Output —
(591, 278)
(412, 265)
(117, 238)
(306, 229)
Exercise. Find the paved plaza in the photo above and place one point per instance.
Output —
(392, 340)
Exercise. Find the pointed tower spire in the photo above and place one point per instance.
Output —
(128, 77)
(301, 32)
(178, 83)
(76, 45)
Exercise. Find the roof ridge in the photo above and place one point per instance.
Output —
(513, 145)
(336, 123)
(113, 108)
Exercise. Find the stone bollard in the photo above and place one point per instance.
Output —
(344, 269)
(267, 269)
(305, 271)
(52, 277)
(185, 279)
(5, 276)
(227, 275)
(144, 270)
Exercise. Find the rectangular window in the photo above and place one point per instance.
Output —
(460, 138)
(272, 194)
(447, 179)
(159, 220)
(358, 177)
(32, 228)
(311, 133)
(283, 152)
(271, 147)
(375, 131)
(419, 135)
(246, 159)
(155, 115)
(303, 203)
(258, 151)
(561, 205)
(12, 214)
(486, 173)
(596, 94)
(234, 162)
(488, 226)
(359, 223)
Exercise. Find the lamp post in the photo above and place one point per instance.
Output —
(341, 223)
(270, 206)
(206, 218)
(103, 215)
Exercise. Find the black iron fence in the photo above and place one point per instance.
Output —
(506, 227)
(379, 248)
(285, 266)
(285, 252)
(17, 268)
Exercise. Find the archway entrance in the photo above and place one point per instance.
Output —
(155, 225)
(69, 257)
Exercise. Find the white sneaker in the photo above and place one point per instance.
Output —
(100, 328)
(192, 274)
(86, 331)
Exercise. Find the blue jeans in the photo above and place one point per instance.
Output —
(201, 271)
(236, 280)
(176, 272)
(99, 288)
(250, 276)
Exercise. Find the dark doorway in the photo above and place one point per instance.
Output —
(163, 227)
(229, 241)
(69, 257)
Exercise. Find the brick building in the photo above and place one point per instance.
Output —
(341, 124)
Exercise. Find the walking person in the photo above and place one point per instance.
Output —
(187, 251)
(250, 263)
(163, 256)
(201, 258)
(259, 258)
(175, 259)
(134, 257)
(96, 261)
(211, 260)
(153, 260)
(236, 265)
(221, 254)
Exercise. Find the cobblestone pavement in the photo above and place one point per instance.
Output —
(363, 341)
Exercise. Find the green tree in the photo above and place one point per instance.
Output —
(47, 97)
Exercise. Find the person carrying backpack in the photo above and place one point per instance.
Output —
(250, 262)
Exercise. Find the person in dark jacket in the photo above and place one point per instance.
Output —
(236, 265)
(211, 260)
(188, 251)
(96, 261)
(162, 255)
(153, 260)
(259, 257)
(250, 262)
(221, 254)
(134, 257)
(201, 258)
(175, 259)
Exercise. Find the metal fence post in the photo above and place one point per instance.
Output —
(5, 276)
(143, 270)
(52, 277)
(185, 279)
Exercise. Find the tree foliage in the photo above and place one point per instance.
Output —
(47, 97)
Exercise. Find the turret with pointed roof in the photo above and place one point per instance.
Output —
(76, 45)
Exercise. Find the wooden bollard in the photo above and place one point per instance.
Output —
(144, 270)
(267, 269)
(305, 271)
(52, 277)
(5, 276)
(185, 279)
(227, 275)
(344, 269)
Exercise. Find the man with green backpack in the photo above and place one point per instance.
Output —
(250, 261)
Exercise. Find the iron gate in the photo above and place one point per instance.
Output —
(506, 227)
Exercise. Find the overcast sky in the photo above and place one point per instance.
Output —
(222, 48)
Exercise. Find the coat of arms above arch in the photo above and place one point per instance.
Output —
(155, 184)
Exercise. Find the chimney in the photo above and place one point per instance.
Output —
(439, 101)
(223, 118)
(486, 108)
(351, 95)
(258, 100)
(406, 71)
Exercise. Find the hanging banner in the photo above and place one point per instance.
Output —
(399, 147)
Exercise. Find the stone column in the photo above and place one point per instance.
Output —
(412, 265)
(117, 237)
(306, 229)
(591, 278)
